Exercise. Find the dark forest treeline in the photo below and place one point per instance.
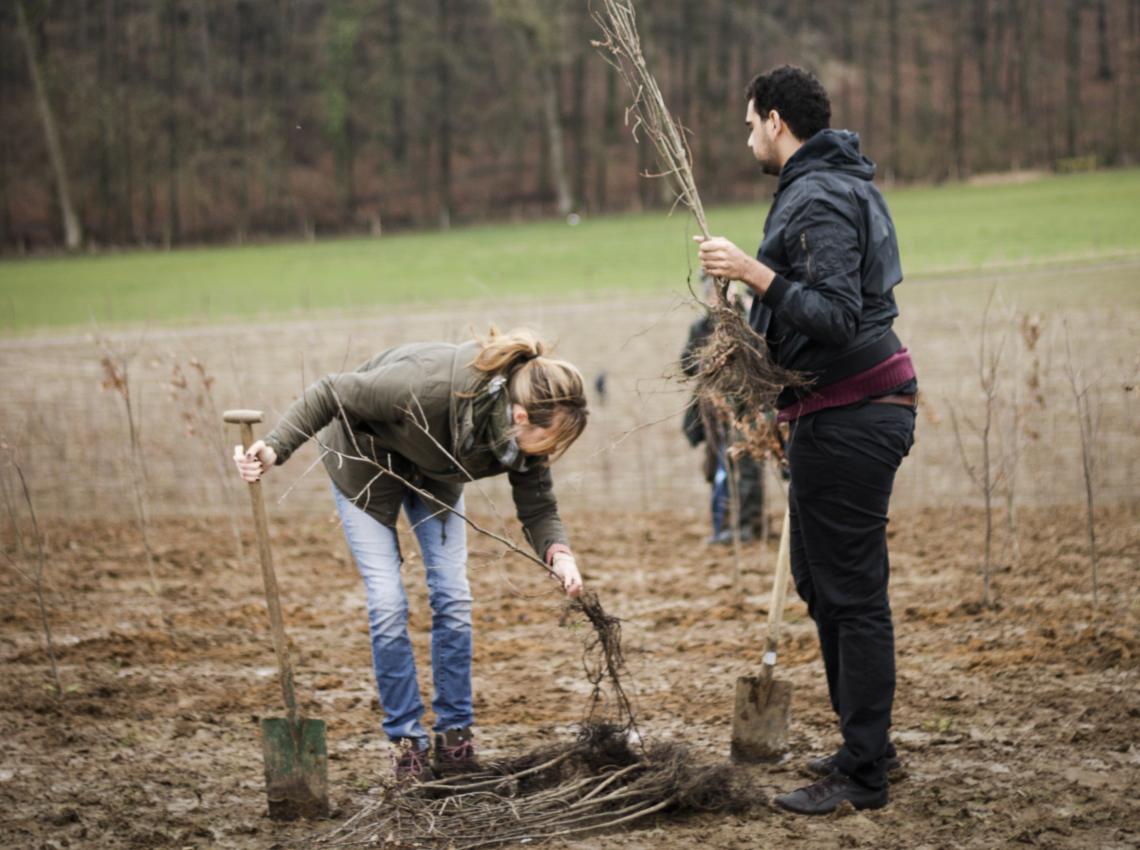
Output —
(180, 121)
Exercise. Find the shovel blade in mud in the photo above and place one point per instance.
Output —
(760, 721)
(296, 768)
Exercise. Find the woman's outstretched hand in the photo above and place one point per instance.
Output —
(252, 464)
(566, 570)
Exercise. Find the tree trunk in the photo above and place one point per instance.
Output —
(1113, 150)
(72, 232)
(926, 119)
(283, 85)
(896, 85)
(443, 113)
(1104, 66)
(957, 132)
(699, 119)
(980, 30)
(242, 224)
(205, 52)
(609, 138)
(720, 127)
(398, 134)
(552, 121)
(173, 231)
(847, 53)
(1072, 76)
(684, 41)
(6, 233)
(104, 74)
(1021, 149)
(206, 130)
(578, 127)
(870, 89)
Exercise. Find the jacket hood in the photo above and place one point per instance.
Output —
(831, 150)
(483, 424)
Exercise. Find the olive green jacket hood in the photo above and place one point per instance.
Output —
(424, 413)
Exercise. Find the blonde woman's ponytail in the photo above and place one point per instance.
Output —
(502, 352)
(550, 390)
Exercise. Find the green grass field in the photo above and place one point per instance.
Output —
(951, 230)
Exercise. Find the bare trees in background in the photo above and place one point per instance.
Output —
(187, 120)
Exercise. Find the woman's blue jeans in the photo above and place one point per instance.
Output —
(443, 543)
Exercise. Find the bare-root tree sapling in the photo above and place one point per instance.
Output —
(10, 510)
(1025, 396)
(1128, 387)
(734, 364)
(985, 471)
(38, 574)
(192, 390)
(1012, 433)
(1086, 400)
(116, 364)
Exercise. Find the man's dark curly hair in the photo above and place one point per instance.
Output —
(797, 95)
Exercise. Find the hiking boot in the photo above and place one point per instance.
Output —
(454, 752)
(826, 795)
(411, 761)
(826, 766)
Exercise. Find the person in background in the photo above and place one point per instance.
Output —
(435, 416)
(702, 423)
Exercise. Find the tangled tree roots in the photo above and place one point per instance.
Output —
(604, 660)
(594, 784)
(735, 367)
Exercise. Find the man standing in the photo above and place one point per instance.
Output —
(823, 277)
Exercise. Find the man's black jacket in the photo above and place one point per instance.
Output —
(830, 239)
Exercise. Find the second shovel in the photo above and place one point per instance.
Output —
(760, 718)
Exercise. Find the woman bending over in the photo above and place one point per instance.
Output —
(434, 415)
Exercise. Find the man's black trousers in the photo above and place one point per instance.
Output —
(843, 462)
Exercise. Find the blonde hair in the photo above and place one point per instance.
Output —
(551, 391)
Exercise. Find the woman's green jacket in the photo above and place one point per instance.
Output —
(425, 413)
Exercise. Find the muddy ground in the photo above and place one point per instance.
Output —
(1018, 725)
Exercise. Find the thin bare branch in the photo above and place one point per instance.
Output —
(37, 578)
(1081, 388)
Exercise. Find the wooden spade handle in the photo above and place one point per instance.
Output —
(246, 418)
(779, 591)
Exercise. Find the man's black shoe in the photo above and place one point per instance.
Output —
(825, 796)
(826, 766)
